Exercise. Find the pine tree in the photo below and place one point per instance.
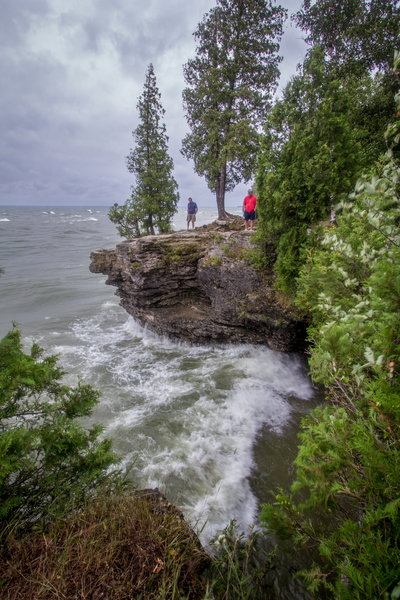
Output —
(357, 35)
(50, 463)
(320, 134)
(154, 198)
(230, 83)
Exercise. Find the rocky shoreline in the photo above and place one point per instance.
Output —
(198, 287)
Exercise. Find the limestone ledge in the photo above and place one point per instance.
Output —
(198, 287)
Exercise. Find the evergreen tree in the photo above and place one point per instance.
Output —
(154, 198)
(49, 462)
(318, 137)
(348, 460)
(357, 35)
(230, 83)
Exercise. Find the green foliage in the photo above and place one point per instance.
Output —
(357, 35)
(154, 198)
(234, 572)
(230, 84)
(262, 261)
(48, 461)
(214, 261)
(313, 149)
(232, 250)
(349, 455)
(181, 254)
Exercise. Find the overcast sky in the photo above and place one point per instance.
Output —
(71, 74)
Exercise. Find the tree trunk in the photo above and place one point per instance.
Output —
(151, 225)
(220, 193)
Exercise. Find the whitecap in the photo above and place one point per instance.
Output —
(5, 220)
(88, 219)
(186, 417)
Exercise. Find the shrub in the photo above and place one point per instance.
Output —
(49, 461)
(348, 461)
(119, 546)
(234, 572)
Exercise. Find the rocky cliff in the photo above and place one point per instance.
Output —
(198, 287)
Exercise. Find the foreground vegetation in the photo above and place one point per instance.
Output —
(119, 546)
(322, 140)
(348, 460)
(71, 526)
(49, 462)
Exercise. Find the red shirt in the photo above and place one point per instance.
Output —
(249, 203)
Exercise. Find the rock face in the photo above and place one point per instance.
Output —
(198, 287)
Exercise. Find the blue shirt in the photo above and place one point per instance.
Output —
(192, 206)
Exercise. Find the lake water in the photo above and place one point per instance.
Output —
(214, 427)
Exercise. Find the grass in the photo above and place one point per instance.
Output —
(123, 547)
(134, 546)
(181, 254)
(234, 573)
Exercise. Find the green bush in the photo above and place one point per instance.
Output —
(49, 462)
(234, 572)
(318, 137)
(348, 461)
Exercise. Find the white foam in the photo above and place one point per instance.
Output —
(5, 220)
(186, 417)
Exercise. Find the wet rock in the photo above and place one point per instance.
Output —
(197, 286)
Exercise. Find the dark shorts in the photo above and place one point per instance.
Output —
(249, 216)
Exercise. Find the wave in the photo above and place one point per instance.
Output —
(185, 418)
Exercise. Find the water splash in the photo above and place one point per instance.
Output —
(185, 418)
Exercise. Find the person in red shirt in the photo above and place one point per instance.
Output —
(249, 209)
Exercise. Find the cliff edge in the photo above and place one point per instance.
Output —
(198, 287)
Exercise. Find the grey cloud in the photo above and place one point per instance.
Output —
(84, 33)
(144, 38)
(17, 16)
(66, 121)
(74, 189)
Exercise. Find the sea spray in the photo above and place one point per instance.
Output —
(184, 417)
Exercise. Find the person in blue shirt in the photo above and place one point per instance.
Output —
(191, 214)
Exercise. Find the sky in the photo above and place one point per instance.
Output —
(71, 75)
